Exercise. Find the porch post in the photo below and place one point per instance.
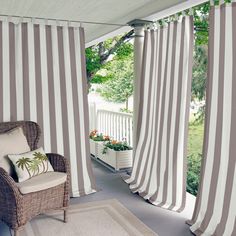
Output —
(138, 26)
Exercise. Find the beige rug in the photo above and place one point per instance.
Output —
(103, 218)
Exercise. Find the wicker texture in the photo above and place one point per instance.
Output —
(17, 209)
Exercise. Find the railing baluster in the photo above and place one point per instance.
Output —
(117, 127)
(115, 124)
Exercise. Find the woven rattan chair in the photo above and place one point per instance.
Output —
(17, 209)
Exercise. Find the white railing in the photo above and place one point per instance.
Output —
(117, 125)
(92, 116)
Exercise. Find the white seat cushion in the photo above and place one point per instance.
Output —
(42, 182)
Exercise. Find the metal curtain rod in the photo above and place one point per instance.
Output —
(76, 21)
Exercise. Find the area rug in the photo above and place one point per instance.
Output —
(103, 218)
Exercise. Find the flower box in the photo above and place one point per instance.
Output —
(116, 159)
(94, 147)
(96, 138)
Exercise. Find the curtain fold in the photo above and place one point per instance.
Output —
(43, 79)
(159, 171)
(215, 210)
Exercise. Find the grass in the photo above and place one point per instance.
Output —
(195, 142)
(195, 138)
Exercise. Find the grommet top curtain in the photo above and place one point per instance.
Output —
(215, 210)
(43, 79)
(159, 171)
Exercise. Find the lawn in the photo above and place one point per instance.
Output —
(195, 142)
(195, 138)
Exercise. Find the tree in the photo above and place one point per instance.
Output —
(99, 55)
(200, 57)
(199, 72)
(120, 87)
(201, 23)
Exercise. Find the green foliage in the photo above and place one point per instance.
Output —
(200, 56)
(124, 51)
(200, 61)
(95, 136)
(195, 142)
(117, 146)
(195, 138)
(99, 138)
(199, 72)
(98, 56)
(92, 59)
(99, 79)
(193, 176)
(201, 23)
(120, 87)
(125, 110)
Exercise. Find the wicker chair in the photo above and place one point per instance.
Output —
(17, 209)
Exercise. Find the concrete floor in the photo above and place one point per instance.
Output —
(163, 222)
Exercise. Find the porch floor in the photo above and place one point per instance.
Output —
(163, 222)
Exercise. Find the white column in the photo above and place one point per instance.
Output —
(138, 26)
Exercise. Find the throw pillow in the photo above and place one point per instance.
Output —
(30, 164)
(12, 142)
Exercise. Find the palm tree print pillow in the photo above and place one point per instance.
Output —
(30, 164)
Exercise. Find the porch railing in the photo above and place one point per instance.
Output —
(117, 125)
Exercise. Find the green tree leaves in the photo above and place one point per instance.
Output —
(120, 87)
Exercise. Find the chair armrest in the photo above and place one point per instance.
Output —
(61, 164)
(8, 185)
(58, 162)
(11, 200)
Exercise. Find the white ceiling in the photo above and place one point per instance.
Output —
(107, 11)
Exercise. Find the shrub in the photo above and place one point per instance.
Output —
(193, 175)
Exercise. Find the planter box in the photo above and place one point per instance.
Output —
(94, 147)
(116, 159)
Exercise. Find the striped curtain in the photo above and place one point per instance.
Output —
(159, 171)
(42, 79)
(215, 210)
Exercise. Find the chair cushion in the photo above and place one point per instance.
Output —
(42, 182)
(30, 164)
(12, 142)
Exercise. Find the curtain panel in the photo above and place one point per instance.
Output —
(215, 210)
(43, 79)
(159, 171)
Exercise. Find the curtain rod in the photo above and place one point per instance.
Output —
(54, 19)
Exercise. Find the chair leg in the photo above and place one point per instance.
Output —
(65, 216)
(16, 232)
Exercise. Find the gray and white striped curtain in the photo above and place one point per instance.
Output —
(42, 79)
(215, 210)
(159, 171)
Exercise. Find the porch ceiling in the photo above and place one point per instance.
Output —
(107, 11)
